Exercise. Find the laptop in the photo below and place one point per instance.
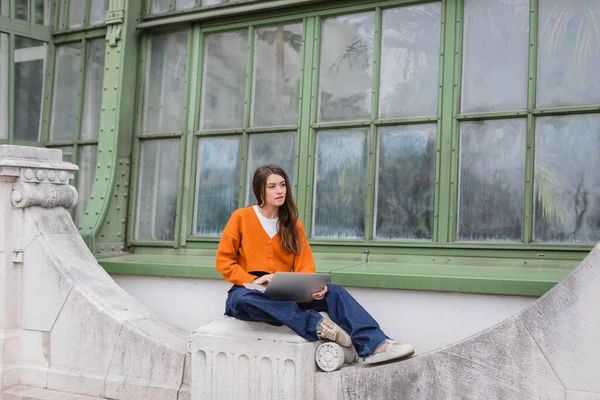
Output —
(293, 286)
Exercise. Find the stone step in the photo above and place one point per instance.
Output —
(21, 392)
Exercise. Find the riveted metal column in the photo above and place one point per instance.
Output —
(104, 223)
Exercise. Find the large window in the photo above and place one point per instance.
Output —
(506, 119)
(162, 127)
(24, 38)
(75, 110)
(471, 121)
(249, 116)
(378, 90)
(75, 14)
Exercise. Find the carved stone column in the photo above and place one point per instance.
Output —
(28, 177)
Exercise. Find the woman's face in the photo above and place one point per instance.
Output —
(275, 190)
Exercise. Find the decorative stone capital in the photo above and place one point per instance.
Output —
(39, 176)
(115, 17)
(44, 195)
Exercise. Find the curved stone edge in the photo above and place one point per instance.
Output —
(101, 342)
(549, 350)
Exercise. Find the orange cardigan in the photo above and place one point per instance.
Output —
(246, 247)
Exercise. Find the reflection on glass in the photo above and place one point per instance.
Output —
(30, 60)
(67, 153)
(42, 12)
(346, 67)
(85, 179)
(567, 179)
(276, 80)
(92, 90)
(165, 82)
(340, 185)
(410, 57)
(183, 4)
(22, 10)
(98, 11)
(492, 180)
(405, 182)
(224, 80)
(4, 54)
(212, 2)
(217, 183)
(568, 53)
(65, 99)
(157, 190)
(496, 48)
(160, 6)
(4, 7)
(76, 14)
(270, 148)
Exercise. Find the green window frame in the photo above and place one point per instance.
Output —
(448, 120)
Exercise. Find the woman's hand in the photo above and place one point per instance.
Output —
(320, 294)
(263, 280)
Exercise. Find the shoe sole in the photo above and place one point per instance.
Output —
(388, 356)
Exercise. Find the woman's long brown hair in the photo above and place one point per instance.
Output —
(288, 212)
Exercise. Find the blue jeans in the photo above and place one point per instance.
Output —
(343, 309)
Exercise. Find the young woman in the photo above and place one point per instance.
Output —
(266, 238)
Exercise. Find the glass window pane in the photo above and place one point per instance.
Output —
(85, 179)
(410, 57)
(340, 185)
(224, 80)
(568, 53)
(165, 82)
(157, 190)
(276, 80)
(160, 6)
(67, 153)
(65, 98)
(183, 4)
(346, 67)
(492, 180)
(98, 11)
(22, 10)
(42, 12)
(30, 61)
(4, 53)
(4, 7)
(92, 90)
(496, 48)
(270, 148)
(405, 182)
(76, 14)
(567, 179)
(212, 2)
(217, 183)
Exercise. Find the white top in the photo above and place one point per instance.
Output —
(269, 225)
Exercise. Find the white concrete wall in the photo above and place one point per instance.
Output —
(428, 320)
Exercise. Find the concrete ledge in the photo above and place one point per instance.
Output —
(464, 275)
(21, 392)
(549, 350)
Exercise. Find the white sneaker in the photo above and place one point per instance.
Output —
(392, 351)
(327, 329)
